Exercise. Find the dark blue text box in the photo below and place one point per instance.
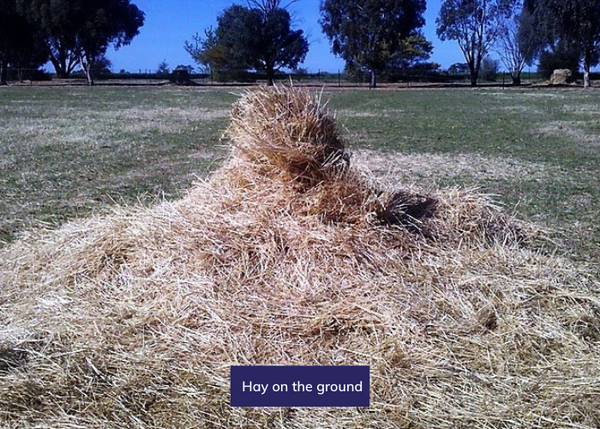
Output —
(300, 386)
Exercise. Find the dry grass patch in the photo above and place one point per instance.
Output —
(289, 254)
(382, 113)
(410, 167)
(79, 126)
(573, 130)
(165, 120)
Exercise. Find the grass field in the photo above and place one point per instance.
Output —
(68, 152)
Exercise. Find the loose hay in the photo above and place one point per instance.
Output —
(285, 256)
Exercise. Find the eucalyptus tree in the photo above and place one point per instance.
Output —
(475, 25)
(20, 44)
(518, 43)
(79, 32)
(573, 23)
(258, 37)
(375, 34)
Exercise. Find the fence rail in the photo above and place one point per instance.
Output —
(395, 76)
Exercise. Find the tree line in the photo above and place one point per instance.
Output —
(371, 36)
(377, 35)
(557, 33)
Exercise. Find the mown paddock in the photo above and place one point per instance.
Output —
(558, 289)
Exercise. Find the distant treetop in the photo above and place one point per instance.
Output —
(372, 35)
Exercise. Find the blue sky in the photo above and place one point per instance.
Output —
(169, 24)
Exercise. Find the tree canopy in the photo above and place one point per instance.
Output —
(20, 44)
(79, 32)
(572, 23)
(375, 34)
(475, 25)
(259, 37)
(518, 42)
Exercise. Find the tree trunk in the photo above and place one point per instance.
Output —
(60, 71)
(3, 73)
(87, 68)
(88, 75)
(586, 72)
(516, 79)
(473, 74)
(373, 83)
(473, 79)
(270, 71)
(63, 66)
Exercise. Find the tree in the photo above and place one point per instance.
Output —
(19, 42)
(259, 37)
(163, 69)
(104, 23)
(79, 32)
(475, 25)
(518, 42)
(373, 34)
(54, 21)
(102, 65)
(489, 69)
(458, 68)
(414, 49)
(207, 51)
(9, 36)
(559, 56)
(574, 23)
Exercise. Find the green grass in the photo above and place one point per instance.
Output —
(68, 152)
(537, 149)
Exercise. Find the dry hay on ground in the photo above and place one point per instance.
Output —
(290, 255)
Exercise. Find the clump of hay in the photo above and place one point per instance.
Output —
(132, 320)
(285, 132)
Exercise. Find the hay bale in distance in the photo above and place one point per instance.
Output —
(560, 77)
(281, 257)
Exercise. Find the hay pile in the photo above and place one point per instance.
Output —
(290, 255)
